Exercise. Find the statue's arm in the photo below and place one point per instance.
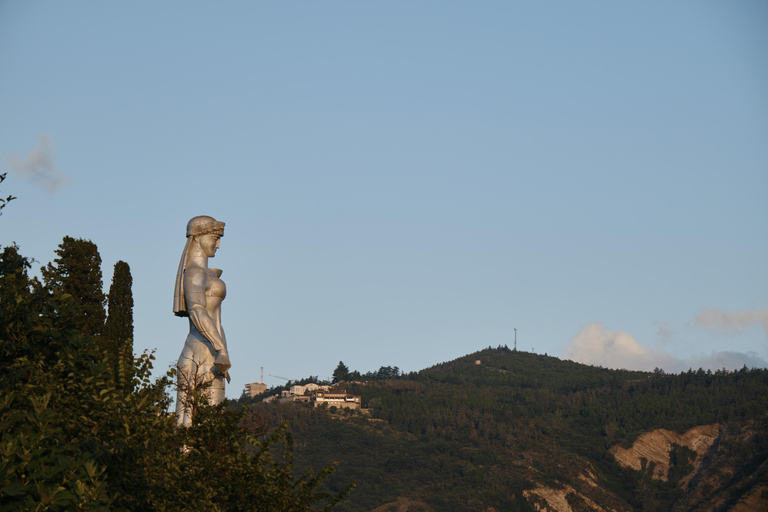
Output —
(206, 326)
(195, 281)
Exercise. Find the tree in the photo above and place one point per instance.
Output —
(388, 372)
(72, 438)
(15, 266)
(78, 273)
(341, 373)
(42, 466)
(118, 330)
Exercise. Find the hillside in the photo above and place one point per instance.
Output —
(521, 431)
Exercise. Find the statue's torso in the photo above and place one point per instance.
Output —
(215, 293)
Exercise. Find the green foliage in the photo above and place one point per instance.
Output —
(40, 349)
(77, 272)
(680, 462)
(462, 436)
(80, 434)
(384, 372)
(118, 329)
(341, 373)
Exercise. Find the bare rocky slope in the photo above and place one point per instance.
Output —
(715, 482)
(715, 479)
(651, 451)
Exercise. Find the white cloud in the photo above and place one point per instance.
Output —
(731, 322)
(39, 166)
(596, 345)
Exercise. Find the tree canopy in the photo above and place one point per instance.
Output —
(462, 436)
(77, 434)
(118, 329)
(77, 272)
(341, 373)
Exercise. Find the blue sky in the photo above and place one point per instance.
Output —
(407, 182)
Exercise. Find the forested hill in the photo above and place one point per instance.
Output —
(513, 430)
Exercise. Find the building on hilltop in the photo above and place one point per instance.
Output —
(338, 398)
(317, 396)
(307, 389)
(286, 396)
(255, 388)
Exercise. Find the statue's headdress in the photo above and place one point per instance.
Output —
(197, 226)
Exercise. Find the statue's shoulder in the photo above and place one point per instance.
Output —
(202, 273)
(196, 275)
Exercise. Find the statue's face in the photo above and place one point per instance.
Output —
(209, 244)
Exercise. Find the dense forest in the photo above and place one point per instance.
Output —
(480, 431)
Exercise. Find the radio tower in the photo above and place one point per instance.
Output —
(262, 374)
(515, 339)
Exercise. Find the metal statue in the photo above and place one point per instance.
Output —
(204, 361)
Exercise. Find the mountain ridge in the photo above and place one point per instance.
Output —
(517, 428)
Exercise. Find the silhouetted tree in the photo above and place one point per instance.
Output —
(340, 373)
(73, 438)
(13, 263)
(77, 271)
(118, 330)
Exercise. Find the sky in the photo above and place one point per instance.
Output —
(404, 183)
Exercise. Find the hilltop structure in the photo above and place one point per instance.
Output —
(254, 388)
(338, 398)
(317, 395)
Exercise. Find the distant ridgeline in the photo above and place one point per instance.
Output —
(521, 430)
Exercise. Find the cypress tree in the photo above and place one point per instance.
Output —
(341, 373)
(77, 271)
(73, 438)
(118, 330)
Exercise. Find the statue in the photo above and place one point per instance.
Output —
(204, 360)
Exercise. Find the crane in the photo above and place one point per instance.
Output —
(279, 377)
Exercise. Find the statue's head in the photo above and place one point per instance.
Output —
(205, 232)
(204, 225)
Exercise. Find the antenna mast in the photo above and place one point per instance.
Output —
(515, 339)
(262, 374)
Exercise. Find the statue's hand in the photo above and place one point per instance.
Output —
(222, 363)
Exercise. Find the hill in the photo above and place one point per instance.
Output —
(521, 431)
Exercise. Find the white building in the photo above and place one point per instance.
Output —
(307, 389)
(338, 399)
